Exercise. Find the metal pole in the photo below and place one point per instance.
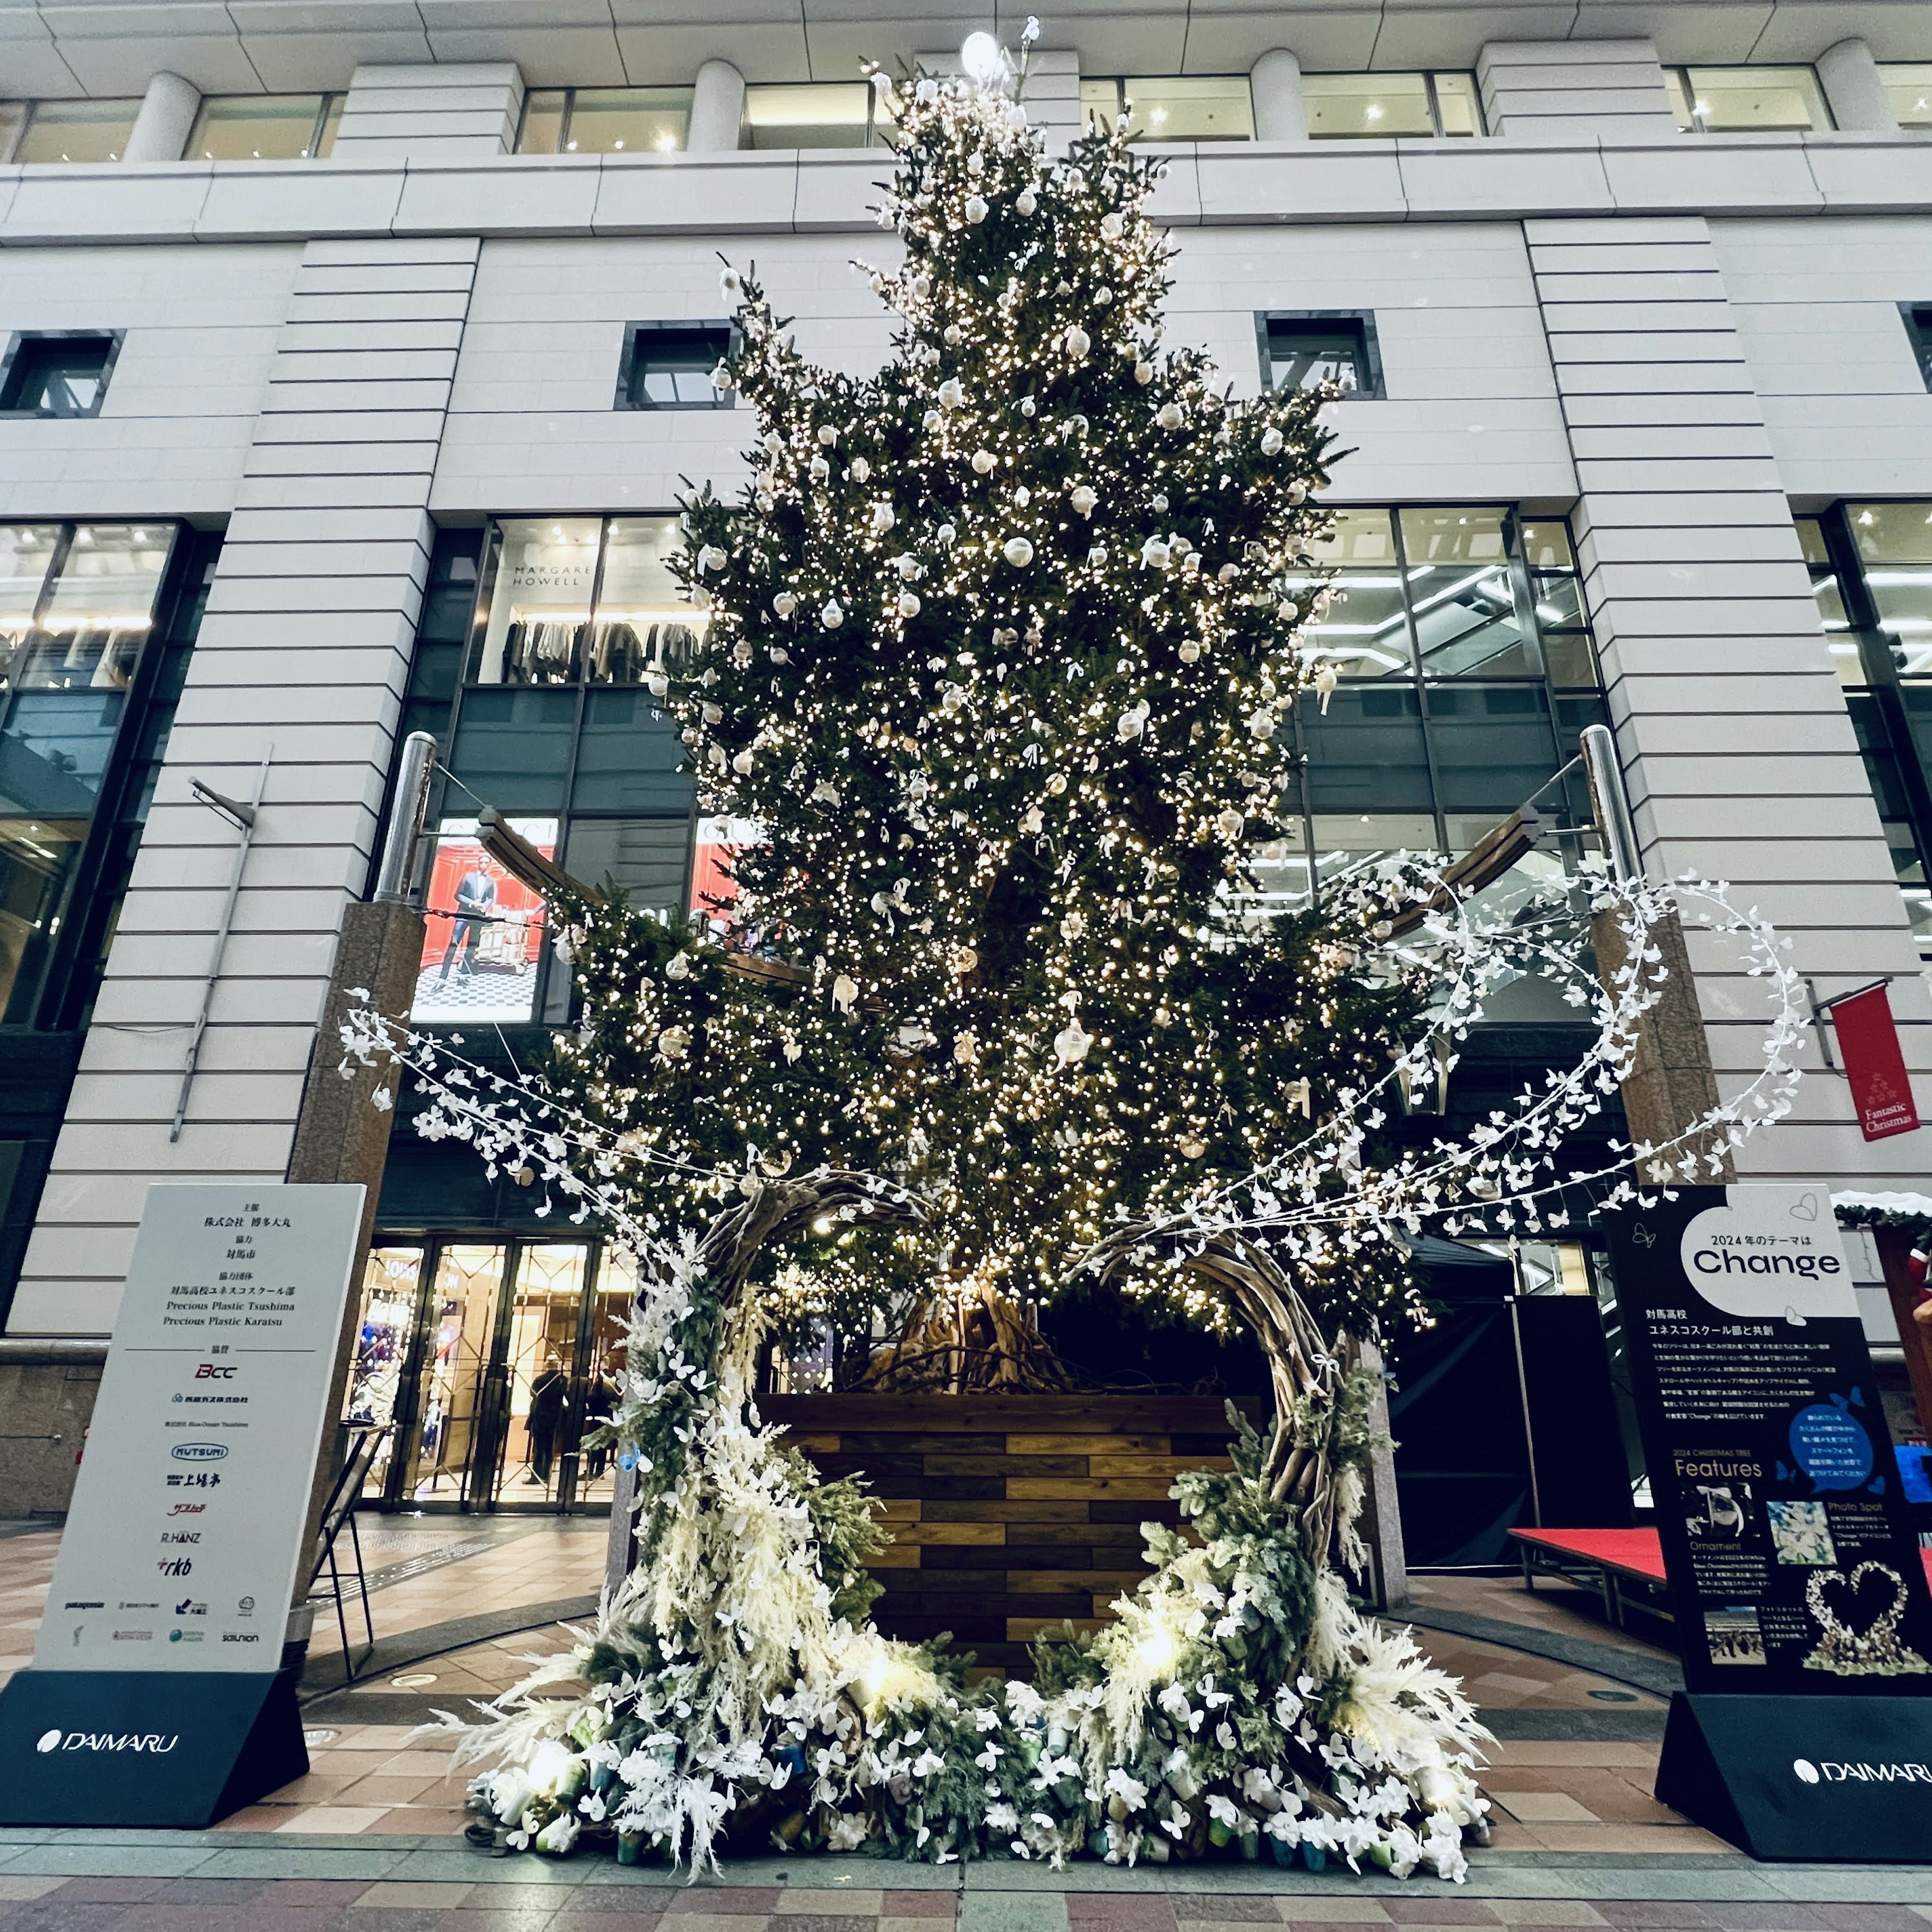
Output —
(246, 820)
(405, 819)
(1610, 801)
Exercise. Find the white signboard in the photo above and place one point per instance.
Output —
(181, 1548)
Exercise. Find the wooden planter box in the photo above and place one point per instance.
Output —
(1009, 1514)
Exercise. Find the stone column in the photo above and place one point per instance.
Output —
(1279, 113)
(717, 109)
(1855, 89)
(166, 120)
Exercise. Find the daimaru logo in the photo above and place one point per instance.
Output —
(198, 1452)
(155, 1744)
(1826, 1771)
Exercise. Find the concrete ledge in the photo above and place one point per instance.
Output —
(47, 1350)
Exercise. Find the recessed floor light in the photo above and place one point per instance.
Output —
(1601, 1696)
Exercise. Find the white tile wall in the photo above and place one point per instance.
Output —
(304, 647)
(1739, 752)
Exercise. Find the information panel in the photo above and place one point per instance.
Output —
(181, 1548)
(1793, 1564)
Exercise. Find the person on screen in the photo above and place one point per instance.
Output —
(475, 894)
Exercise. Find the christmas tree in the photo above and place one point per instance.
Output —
(998, 659)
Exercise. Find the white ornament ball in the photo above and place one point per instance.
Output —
(828, 434)
(845, 991)
(1169, 416)
(1073, 926)
(730, 282)
(1079, 342)
(976, 208)
(1131, 724)
(1155, 555)
(1228, 823)
(922, 286)
(954, 335)
(779, 655)
(1018, 552)
(966, 1049)
(710, 557)
(908, 604)
(952, 393)
(711, 713)
(1027, 405)
(785, 603)
(932, 419)
(1057, 784)
(945, 534)
(742, 763)
(1083, 499)
(832, 616)
(861, 469)
(1113, 226)
(820, 470)
(1096, 557)
(1144, 374)
(883, 517)
(775, 444)
(721, 377)
(983, 460)
(658, 685)
(1160, 500)
(1071, 1044)
(1023, 496)
(1271, 441)
(1190, 652)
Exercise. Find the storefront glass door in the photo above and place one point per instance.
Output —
(491, 1361)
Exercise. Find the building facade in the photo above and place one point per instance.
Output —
(355, 368)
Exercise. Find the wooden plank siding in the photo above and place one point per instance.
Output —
(1009, 1515)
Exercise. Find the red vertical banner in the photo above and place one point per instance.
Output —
(1875, 1064)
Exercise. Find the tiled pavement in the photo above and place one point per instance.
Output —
(349, 1848)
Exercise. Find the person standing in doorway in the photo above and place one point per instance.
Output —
(547, 1396)
(475, 894)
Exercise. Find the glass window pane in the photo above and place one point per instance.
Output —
(628, 120)
(1461, 595)
(59, 375)
(542, 572)
(1729, 99)
(1680, 99)
(54, 753)
(450, 597)
(1348, 106)
(102, 607)
(629, 758)
(1910, 869)
(1458, 103)
(388, 1317)
(643, 620)
(1305, 353)
(257, 127)
(38, 858)
(1492, 748)
(542, 129)
(1559, 603)
(1910, 87)
(670, 368)
(1895, 541)
(78, 131)
(829, 115)
(1282, 872)
(331, 119)
(13, 119)
(647, 856)
(1546, 544)
(1342, 843)
(1168, 107)
(542, 1432)
(1571, 659)
(1365, 632)
(1100, 105)
(26, 550)
(512, 747)
(450, 1404)
(483, 934)
(1366, 754)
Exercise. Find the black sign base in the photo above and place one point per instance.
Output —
(145, 1748)
(1843, 1779)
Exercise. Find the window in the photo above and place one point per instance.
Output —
(1871, 572)
(57, 372)
(537, 638)
(264, 127)
(1465, 671)
(1172, 107)
(841, 114)
(1910, 87)
(1321, 346)
(1745, 100)
(1360, 107)
(1917, 317)
(76, 131)
(667, 365)
(13, 119)
(81, 606)
(604, 121)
